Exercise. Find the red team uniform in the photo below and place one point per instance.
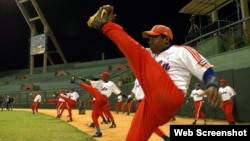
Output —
(196, 94)
(106, 88)
(164, 77)
(101, 90)
(71, 100)
(36, 102)
(119, 103)
(227, 95)
(127, 105)
(139, 95)
(164, 63)
(60, 103)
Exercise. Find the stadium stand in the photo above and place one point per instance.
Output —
(50, 82)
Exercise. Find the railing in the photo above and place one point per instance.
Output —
(223, 39)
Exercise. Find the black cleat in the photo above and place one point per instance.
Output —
(70, 120)
(104, 122)
(194, 123)
(92, 125)
(113, 126)
(97, 135)
(58, 116)
(232, 123)
(205, 121)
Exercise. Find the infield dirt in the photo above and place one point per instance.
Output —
(122, 121)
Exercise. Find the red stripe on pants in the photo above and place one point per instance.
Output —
(162, 97)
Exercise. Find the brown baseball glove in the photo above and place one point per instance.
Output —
(103, 15)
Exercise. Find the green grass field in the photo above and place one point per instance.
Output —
(22, 126)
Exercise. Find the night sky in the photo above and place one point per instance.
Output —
(78, 42)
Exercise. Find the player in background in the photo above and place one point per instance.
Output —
(164, 74)
(105, 119)
(119, 103)
(1, 102)
(71, 99)
(198, 98)
(6, 102)
(127, 104)
(60, 103)
(227, 96)
(81, 107)
(101, 90)
(106, 87)
(10, 103)
(36, 97)
(61, 106)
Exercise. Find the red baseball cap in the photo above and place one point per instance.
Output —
(104, 74)
(158, 30)
(223, 80)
